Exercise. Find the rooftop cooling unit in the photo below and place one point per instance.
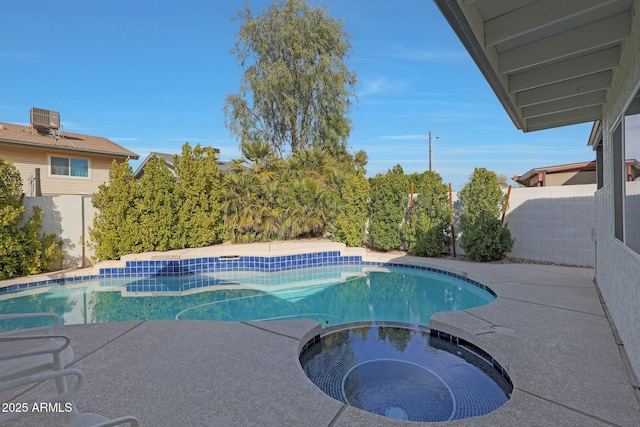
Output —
(45, 119)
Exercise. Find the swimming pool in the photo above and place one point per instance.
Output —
(330, 294)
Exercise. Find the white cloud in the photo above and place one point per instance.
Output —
(415, 137)
(397, 50)
(380, 84)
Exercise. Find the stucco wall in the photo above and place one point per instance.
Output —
(618, 267)
(70, 218)
(27, 160)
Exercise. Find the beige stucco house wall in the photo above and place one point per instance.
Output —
(29, 150)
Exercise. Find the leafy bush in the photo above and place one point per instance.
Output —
(351, 221)
(161, 211)
(115, 230)
(23, 249)
(432, 218)
(484, 237)
(389, 194)
(487, 240)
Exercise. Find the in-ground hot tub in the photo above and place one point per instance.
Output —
(405, 372)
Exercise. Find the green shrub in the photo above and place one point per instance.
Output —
(115, 231)
(431, 232)
(161, 211)
(484, 237)
(389, 196)
(351, 221)
(487, 240)
(23, 249)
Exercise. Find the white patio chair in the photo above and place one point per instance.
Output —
(73, 417)
(28, 351)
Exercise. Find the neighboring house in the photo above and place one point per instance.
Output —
(52, 162)
(168, 159)
(570, 174)
(558, 63)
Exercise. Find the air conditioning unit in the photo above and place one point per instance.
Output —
(45, 119)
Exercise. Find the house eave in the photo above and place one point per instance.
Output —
(550, 63)
(53, 147)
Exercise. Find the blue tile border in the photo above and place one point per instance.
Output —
(150, 269)
(477, 351)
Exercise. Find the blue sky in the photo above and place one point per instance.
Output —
(151, 75)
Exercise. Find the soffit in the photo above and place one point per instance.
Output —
(550, 62)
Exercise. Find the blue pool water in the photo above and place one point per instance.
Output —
(330, 295)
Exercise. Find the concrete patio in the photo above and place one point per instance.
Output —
(548, 328)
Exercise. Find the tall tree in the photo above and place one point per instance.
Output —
(389, 196)
(352, 218)
(296, 89)
(200, 221)
(157, 207)
(116, 229)
(432, 230)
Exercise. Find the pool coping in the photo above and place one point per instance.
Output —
(547, 307)
(184, 263)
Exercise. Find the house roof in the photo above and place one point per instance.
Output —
(551, 63)
(168, 158)
(27, 136)
(570, 167)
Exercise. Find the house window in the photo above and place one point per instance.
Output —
(618, 186)
(630, 168)
(66, 166)
(599, 166)
(626, 176)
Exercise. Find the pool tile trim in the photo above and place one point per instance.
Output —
(267, 264)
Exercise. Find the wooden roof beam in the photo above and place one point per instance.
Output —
(573, 87)
(535, 16)
(601, 34)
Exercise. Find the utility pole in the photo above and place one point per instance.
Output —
(431, 138)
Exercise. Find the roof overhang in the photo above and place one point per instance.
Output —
(52, 147)
(550, 62)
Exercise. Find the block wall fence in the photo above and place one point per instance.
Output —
(551, 224)
(548, 224)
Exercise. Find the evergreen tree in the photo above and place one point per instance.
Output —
(484, 237)
(199, 221)
(157, 208)
(351, 221)
(116, 230)
(432, 218)
(389, 197)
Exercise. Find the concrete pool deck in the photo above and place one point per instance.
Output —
(548, 328)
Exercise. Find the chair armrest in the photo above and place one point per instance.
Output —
(66, 341)
(38, 378)
(20, 316)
